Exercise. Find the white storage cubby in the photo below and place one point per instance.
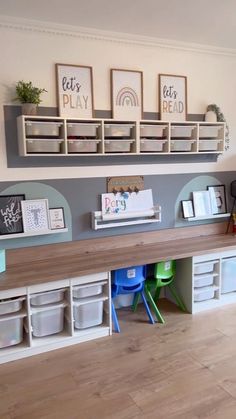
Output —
(44, 317)
(58, 136)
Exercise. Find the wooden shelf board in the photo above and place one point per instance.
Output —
(209, 217)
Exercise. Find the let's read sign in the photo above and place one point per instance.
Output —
(75, 96)
(127, 202)
(173, 97)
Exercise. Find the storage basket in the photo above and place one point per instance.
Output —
(11, 330)
(42, 129)
(43, 146)
(82, 130)
(83, 291)
(48, 297)
(82, 146)
(209, 131)
(11, 305)
(87, 315)
(228, 275)
(203, 280)
(118, 146)
(204, 293)
(209, 145)
(205, 267)
(152, 131)
(181, 145)
(47, 320)
(182, 131)
(118, 130)
(151, 145)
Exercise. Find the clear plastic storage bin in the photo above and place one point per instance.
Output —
(152, 131)
(182, 131)
(48, 297)
(208, 131)
(11, 305)
(209, 145)
(48, 320)
(203, 280)
(42, 129)
(205, 267)
(87, 315)
(151, 145)
(82, 130)
(83, 146)
(118, 146)
(228, 275)
(204, 293)
(43, 146)
(181, 145)
(11, 330)
(118, 130)
(83, 291)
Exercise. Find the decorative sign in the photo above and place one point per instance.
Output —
(56, 218)
(74, 91)
(127, 94)
(11, 214)
(35, 215)
(125, 183)
(172, 97)
(125, 203)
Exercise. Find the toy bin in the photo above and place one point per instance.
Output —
(228, 275)
(204, 293)
(118, 130)
(184, 131)
(48, 297)
(11, 330)
(83, 146)
(209, 145)
(208, 131)
(152, 131)
(88, 290)
(87, 314)
(82, 130)
(118, 146)
(43, 146)
(205, 267)
(151, 145)
(11, 305)
(181, 145)
(47, 320)
(203, 280)
(42, 128)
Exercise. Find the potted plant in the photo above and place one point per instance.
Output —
(29, 96)
(214, 114)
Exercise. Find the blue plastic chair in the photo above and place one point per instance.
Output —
(127, 281)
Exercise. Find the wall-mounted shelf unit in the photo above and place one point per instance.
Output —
(56, 136)
(143, 217)
(209, 217)
(32, 234)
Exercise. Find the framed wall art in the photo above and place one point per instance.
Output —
(75, 91)
(218, 199)
(35, 215)
(172, 97)
(187, 208)
(202, 203)
(56, 218)
(11, 214)
(127, 94)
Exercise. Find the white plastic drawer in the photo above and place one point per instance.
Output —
(83, 146)
(48, 320)
(118, 130)
(181, 145)
(151, 145)
(11, 305)
(82, 130)
(203, 280)
(209, 145)
(118, 146)
(152, 131)
(11, 330)
(228, 275)
(42, 129)
(204, 293)
(182, 131)
(205, 267)
(43, 146)
(209, 131)
(83, 291)
(88, 315)
(49, 297)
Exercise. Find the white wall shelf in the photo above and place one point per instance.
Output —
(32, 234)
(208, 217)
(56, 136)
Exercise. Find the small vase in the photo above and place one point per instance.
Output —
(29, 109)
(210, 116)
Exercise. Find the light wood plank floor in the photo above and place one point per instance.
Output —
(185, 369)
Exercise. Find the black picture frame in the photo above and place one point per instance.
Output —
(61, 220)
(218, 199)
(11, 214)
(187, 208)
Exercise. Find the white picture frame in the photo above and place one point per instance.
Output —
(126, 94)
(172, 97)
(218, 199)
(202, 203)
(35, 215)
(56, 218)
(187, 208)
(75, 91)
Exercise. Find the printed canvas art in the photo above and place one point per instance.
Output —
(11, 214)
(35, 215)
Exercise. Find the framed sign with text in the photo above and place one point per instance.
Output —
(172, 97)
(75, 91)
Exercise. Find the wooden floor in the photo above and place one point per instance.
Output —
(181, 370)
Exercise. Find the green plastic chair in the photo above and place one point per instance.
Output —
(164, 273)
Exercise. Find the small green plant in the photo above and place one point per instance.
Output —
(27, 93)
(220, 118)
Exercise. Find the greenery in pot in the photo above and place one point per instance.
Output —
(27, 93)
(220, 118)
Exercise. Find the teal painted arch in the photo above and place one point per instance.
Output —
(38, 190)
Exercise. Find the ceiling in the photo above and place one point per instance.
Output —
(209, 22)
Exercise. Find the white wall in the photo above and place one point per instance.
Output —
(31, 54)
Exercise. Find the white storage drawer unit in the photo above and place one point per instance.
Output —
(118, 146)
(209, 145)
(118, 130)
(48, 297)
(83, 291)
(42, 128)
(87, 314)
(152, 145)
(204, 293)
(82, 130)
(184, 131)
(11, 305)
(203, 280)
(43, 146)
(181, 145)
(47, 320)
(153, 131)
(207, 131)
(11, 330)
(83, 146)
(204, 267)
(228, 275)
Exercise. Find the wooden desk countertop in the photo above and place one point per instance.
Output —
(101, 258)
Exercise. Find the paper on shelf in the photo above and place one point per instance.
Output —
(127, 203)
